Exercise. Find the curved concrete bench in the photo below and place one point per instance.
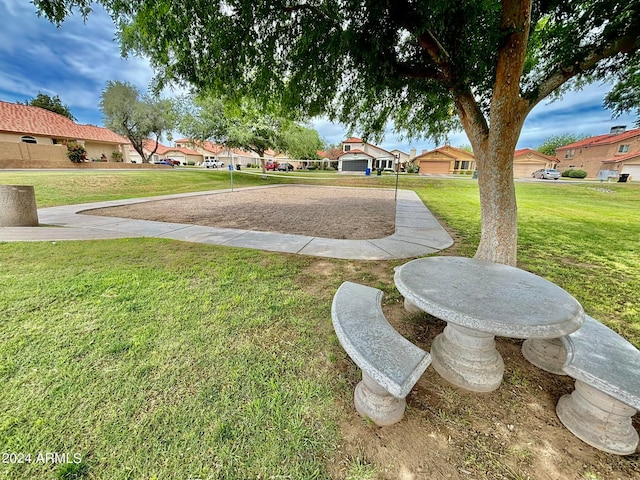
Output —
(391, 365)
(606, 368)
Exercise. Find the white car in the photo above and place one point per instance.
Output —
(211, 163)
(546, 174)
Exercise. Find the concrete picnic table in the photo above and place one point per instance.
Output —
(480, 300)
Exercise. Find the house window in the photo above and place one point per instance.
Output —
(347, 148)
(570, 153)
(623, 149)
(28, 139)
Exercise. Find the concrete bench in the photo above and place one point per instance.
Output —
(606, 368)
(391, 365)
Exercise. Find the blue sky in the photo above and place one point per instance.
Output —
(76, 60)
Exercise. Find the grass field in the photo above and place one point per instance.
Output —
(155, 359)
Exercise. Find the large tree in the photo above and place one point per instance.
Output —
(138, 117)
(238, 123)
(53, 104)
(415, 62)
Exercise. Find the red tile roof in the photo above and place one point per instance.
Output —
(622, 158)
(606, 139)
(27, 120)
(357, 151)
(353, 140)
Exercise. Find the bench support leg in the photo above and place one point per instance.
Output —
(374, 402)
(411, 307)
(598, 419)
(467, 358)
(546, 354)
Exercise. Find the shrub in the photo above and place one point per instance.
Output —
(76, 152)
(572, 173)
(412, 168)
(116, 156)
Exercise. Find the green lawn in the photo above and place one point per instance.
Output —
(156, 359)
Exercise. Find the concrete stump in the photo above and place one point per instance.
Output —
(467, 358)
(18, 206)
(598, 419)
(547, 354)
(374, 402)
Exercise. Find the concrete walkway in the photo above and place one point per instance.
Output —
(417, 232)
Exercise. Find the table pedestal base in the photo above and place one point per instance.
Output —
(374, 402)
(598, 419)
(546, 354)
(467, 358)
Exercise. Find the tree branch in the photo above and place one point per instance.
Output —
(563, 73)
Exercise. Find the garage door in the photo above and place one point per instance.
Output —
(633, 171)
(522, 170)
(354, 165)
(435, 167)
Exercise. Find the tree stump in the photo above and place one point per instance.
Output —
(18, 206)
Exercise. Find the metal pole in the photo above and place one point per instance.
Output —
(397, 175)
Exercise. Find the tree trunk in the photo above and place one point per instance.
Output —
(499, 212)
(494, 142)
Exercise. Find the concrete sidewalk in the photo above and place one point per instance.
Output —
(417, 232)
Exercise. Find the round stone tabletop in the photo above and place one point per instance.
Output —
(489, 297)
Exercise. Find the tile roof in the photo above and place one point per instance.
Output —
(356, 151)
(353, 140)
(606, 139)
(27, 120)
(622, 158)
(524, 151)
(449, 151)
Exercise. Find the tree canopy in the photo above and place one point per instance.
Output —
(242, 123)
(426, 65)
(550, 144)
(138, 117)
(53, 104)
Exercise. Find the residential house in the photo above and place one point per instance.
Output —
(183, 155)
(526, 161)
(33, 134)
(445, 160)
(403, 158)
(214, 151)
(359, 156)
(605, 155)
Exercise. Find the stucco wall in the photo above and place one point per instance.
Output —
(32, 151)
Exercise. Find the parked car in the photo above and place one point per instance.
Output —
(546, 174)
(271, 165)
(285, 167)
(211, 163)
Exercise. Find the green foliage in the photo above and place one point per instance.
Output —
(551, 144)
(76, 152)
(53, 104)
(302, 142)
(625, 95)
(574, 173)
(138, 117)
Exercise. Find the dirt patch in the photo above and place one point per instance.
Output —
(328, 212)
